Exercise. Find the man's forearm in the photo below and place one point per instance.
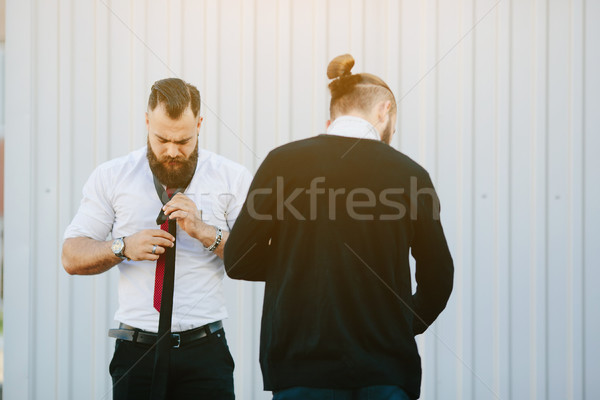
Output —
(207, 236)
(85, 256)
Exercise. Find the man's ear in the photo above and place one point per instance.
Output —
(147, 121)
(327, 124)
(200, 119)
(383, 110)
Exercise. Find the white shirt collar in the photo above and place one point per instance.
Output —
(353, 127)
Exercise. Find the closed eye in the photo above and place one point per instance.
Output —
(178, 142)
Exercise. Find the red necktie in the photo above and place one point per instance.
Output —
(160, 266)
(160, 272)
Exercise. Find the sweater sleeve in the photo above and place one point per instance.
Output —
(248, 246)
(434, 266)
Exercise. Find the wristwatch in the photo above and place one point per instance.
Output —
(118, 247)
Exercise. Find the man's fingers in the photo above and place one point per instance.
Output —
(140, 245)
(147, 256)
(159, 250)
(159, 233)
(170, 208)
(162, 242)
(179, 197)
(177, 203)
(178, 214)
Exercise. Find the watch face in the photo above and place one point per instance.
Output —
(117, 246)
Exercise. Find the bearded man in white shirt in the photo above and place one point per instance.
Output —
(122, 198)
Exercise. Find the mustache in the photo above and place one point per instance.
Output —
(177, 159)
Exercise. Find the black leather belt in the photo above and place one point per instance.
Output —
(131, 334)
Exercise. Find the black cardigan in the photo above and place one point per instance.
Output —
(339, 310)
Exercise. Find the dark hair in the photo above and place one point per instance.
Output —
(176, 95)
(354, 91)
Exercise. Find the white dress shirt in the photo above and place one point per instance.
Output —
(353, 127)
(120, 199)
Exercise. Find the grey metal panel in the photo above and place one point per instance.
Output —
(498, 100)
(590, 214)
(18, 272)
(521, 200)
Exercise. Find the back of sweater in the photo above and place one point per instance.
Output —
(329, 225)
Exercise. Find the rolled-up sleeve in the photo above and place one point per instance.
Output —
(95, 217)
(239, 192)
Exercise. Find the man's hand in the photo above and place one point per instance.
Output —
(188, 217)
(139, 246)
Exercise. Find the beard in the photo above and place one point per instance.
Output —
(177, 175)
(386, 135)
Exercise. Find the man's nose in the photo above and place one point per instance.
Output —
(172, 150)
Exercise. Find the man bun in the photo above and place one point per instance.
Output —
(340, 66)
(350, 92)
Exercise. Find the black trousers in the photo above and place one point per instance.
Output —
(379, 392)
(202, 369)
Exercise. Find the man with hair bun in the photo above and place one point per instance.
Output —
(329, 225)
(168, 207)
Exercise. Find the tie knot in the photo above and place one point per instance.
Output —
(170, 191)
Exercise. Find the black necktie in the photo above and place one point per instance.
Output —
(163, 343)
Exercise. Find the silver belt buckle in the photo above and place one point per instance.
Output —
(178, 337)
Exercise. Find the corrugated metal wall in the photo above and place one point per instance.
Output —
(499, 100)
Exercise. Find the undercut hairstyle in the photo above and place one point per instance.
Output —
(176, 96)
(355, 91)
